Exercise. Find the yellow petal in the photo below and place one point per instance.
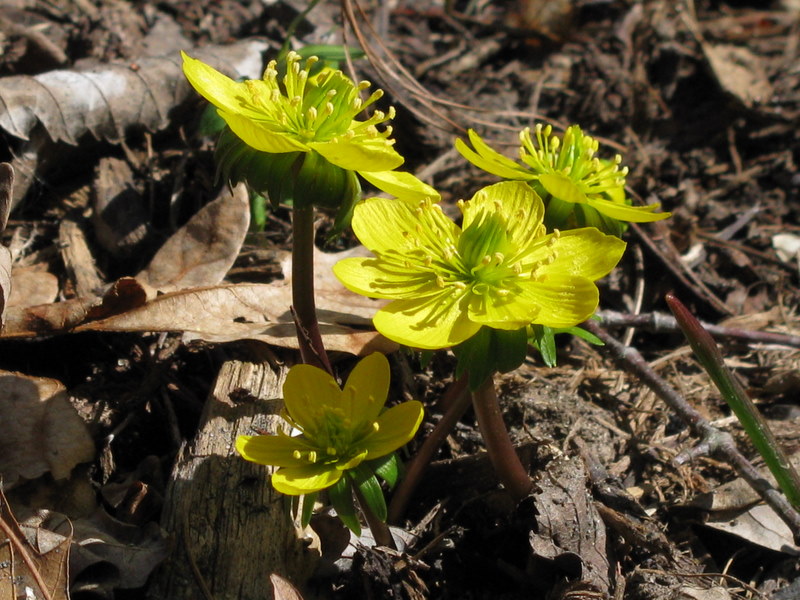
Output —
(624, 212)
(522, 208)
(222, 91)
(563, 300)
(490, 160)
(401, 184)
(562, 187)
(306, 391)
(388, 224)
(396, 427)
(502, 312)
(378, 278)
(428, 323)
(296, 481)
(365, 392)
(275, 450)
(360, 154)
(258, 135)
(584, 252)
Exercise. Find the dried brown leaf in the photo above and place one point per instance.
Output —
(261, 312)
(41, 431)
(119, 555)
(739, 72)
(105, 100)
(201, 252)
(578, 546)
(28, 569)
(32, 286)
(282, 589)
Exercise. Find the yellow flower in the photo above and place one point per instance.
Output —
(500, 269)
(340, 428)
(579, 188)
(308, 115)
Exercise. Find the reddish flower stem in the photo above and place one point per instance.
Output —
(312, 351)
(501, 451)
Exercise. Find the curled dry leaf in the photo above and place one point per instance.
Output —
(229, 313)
(59, 317)
(105, 100)
(6, 190)
(201, 252)
(41, 431)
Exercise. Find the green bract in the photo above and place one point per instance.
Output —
(578, 188)
(340, 429)
(500, 269)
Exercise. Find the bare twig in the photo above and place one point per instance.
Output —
(663, 323)
(712, 440)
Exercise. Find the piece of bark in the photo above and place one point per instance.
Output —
(78, 258)
(231, 528)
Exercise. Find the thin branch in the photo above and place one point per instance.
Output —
(657, 322)
(712, 440)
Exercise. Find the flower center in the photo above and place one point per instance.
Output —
(488, 255)
(320, 108)
(574, 158)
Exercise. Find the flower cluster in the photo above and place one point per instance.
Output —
(521, 266)
(500, 269)
(580, 189)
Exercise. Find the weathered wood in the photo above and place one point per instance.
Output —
(230, 528)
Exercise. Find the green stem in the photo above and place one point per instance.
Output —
(754, 424)
(459, 401)
(312, 351)
(290, 30)
(380, 530)
(501, 451)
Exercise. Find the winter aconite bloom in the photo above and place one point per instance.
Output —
(304, 114)
(579, 188)
(339, 428)
(500, 269)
